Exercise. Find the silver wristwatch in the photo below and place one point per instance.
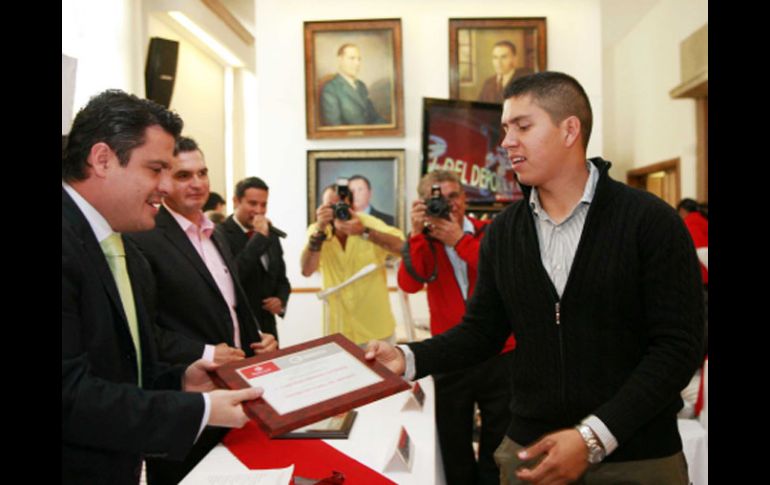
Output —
(365, 234)
(596, 451)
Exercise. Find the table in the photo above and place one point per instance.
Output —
(371, 440)
(695, 447)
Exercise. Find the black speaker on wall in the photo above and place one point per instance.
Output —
(160, 71)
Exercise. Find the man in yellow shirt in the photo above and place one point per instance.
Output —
(340, 243)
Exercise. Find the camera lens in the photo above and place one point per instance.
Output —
(342, 211)
(438, 207)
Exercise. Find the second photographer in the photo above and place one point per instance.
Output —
(443, 251)
(340, 243)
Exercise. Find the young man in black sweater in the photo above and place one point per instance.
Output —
(600, 284)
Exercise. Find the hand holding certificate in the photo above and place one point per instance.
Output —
(308, 382)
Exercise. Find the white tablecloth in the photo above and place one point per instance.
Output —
(372, 439)
(695, 446)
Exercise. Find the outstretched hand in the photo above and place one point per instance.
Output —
(387, 355)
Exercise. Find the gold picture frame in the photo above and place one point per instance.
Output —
(353, 78)
(383, 169)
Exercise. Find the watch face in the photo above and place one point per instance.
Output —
(596, 455)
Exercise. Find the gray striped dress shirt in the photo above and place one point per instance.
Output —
(559, 242)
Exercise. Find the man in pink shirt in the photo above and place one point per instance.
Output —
(202, 309)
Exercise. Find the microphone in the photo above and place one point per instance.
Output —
(277, 231)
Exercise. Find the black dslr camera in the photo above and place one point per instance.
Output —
(342, 208)
(437, 205)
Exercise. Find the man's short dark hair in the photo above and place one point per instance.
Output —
(559, 94)
(186, 144)
(689, 205)
(506, 43)
(250, 183)
(118, 119)
(213, 201)
(361, 177)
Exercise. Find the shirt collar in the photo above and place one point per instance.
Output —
(206, 227)
(468, 225)
(588, 191)
(98, 223)
(238, 223)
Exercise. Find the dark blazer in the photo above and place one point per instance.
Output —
(107, 421)
(191, 310)
(343, 105)
(386, 218)
(258, 283)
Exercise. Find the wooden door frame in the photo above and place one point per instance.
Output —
(638, 176)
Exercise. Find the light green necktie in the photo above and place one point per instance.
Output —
(116, 257)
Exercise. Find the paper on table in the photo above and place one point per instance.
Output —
(277, 476)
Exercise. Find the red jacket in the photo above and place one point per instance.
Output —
(699, 232)
(445, 300)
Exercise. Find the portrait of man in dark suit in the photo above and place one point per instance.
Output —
(505, 61)
(487, 54)
(361, 189)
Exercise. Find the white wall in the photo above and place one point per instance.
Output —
(101, 35)
(639, 124)
(198, 97)
(644, 125)
(574, 46)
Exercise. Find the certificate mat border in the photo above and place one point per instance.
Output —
(274, 424)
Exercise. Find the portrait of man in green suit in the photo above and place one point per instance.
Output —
(345, 98)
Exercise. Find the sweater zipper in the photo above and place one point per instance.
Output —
(561, 356)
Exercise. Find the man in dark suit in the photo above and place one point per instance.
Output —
(113, 176)
(202, 310)
(345, 99)
(255, 243)
(362, 195)
(505, 62)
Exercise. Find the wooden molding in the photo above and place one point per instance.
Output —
(229, 19)
(638, 178)
(702, 149)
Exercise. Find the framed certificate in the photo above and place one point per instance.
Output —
(308, 382)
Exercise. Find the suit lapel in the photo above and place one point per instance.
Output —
(235, 234)
(94, 252)
(181, 242)
(352, 93)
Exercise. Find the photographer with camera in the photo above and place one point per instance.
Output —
(443, 252)
(340, 243)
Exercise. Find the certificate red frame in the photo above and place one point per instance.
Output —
(274, 424)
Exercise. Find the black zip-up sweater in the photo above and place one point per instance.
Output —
(621, 343)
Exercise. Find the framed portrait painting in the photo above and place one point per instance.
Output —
(375, 180)
(353, 78)
(485, 54)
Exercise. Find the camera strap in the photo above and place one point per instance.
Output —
(407, 257)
